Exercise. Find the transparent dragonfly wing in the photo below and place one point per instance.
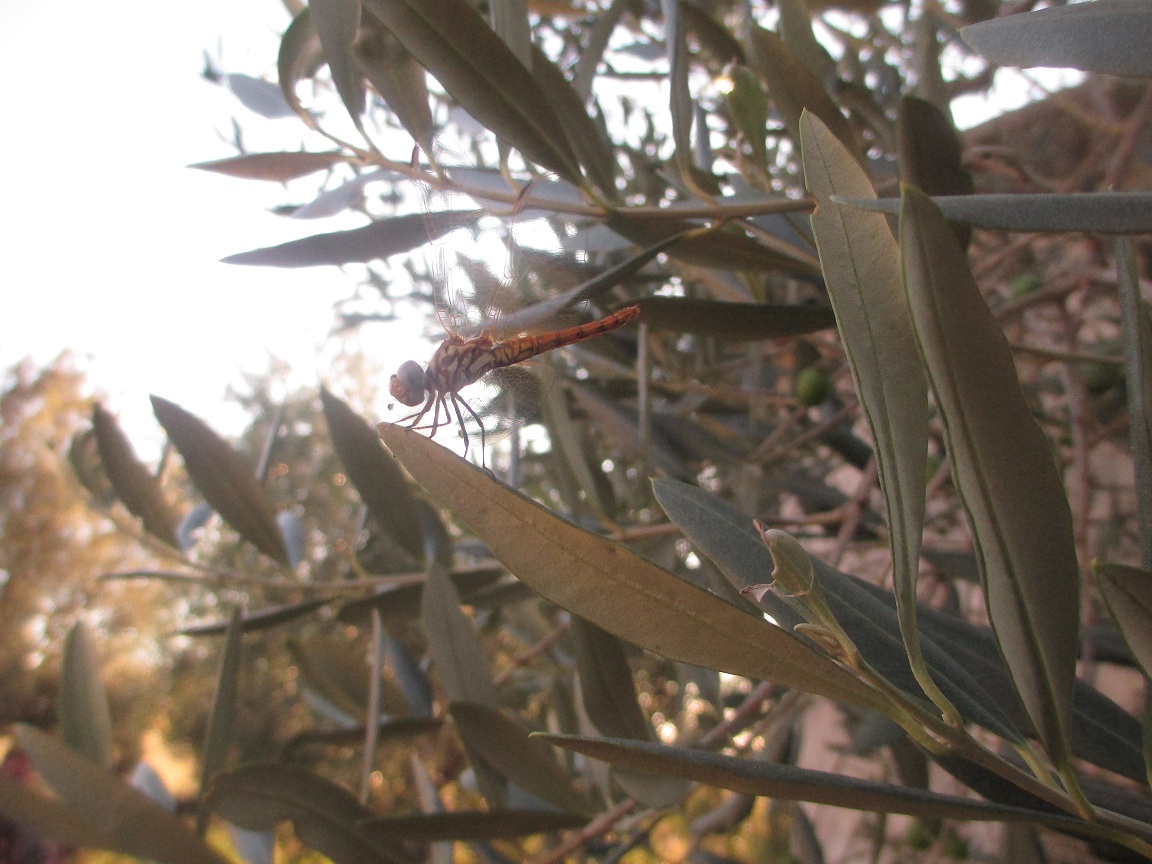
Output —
(508, 398)
(481, 302)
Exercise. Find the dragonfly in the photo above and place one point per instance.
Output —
(459, 362)
(463, 359)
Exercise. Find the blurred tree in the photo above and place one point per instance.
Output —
(42, 535)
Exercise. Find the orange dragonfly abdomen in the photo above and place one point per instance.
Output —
(521, 348)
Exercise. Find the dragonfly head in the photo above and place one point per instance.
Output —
(407, 385)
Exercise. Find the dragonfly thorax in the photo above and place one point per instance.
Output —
(459, 362)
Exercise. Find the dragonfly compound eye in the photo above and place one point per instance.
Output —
(407, 385)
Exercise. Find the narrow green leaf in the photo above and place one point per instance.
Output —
(1147, 727)
(867, 614)
(526, 762)
(796, 33)
(1001, 791)
(1136, 317)
(336, 23)
(723, 249)
(748, 104)
(794, 89)
(277, 167)
(1102, 212)
(930, 154)
(1108, 36)
(85, 462)
(613, 587)
(300, 55)
(329, 668)
(133, 483)
(130, 822)
(606, 685)
(384, 489)
(1022, 845)
(861, 266)
(412, 691)
(1103, 733)
(609, 699)
(930, 151)
(775, 780)
(389, 732)
(732, 322)
(680, 98)
(541, 313)
(588, 139)
(661, 791)
(925, 61)
(452, 641)
(260, 796)
(399, 79)
(458, 47)
(619, 426)
(1003, 469)
(223, 478)
(1128, 593)
(402, 602)
(430, 802)
(262, 620)
(345, 196)
(470, 825)
(596, 44)
(85, 719)
(222, 719)
(712, 36)
(380, 240)
(582, 487)
(257, 95)
(509, 19)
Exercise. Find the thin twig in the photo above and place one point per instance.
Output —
(1074, 392)
(813, 434)
(526, 657)
(1134, 128)
(747, 712)
(853, 510)
(599, 826)
(1065, 356)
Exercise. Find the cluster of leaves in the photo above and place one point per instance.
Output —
(40, 533)
(564, 603)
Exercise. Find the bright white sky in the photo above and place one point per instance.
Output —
(110, 245)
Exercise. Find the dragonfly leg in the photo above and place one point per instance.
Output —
(441, 402)
(419, 415)
(432, 425)
(480, 423)
(456, 402)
